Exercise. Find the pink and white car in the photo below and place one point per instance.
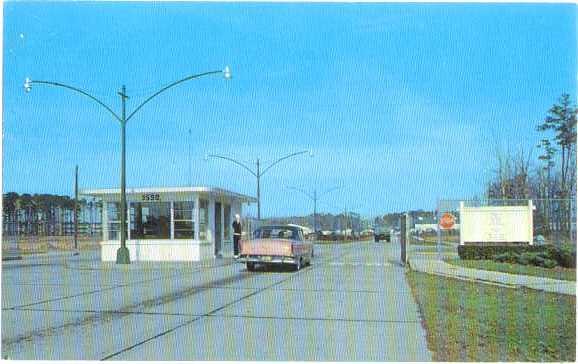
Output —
(276, 245)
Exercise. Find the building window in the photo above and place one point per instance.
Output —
(227, 222)
(184, 220)
(150, 220)
(203, 219)
(113, 212)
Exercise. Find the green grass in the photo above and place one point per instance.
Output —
(530, 270)
(423, 242)
(468, 321)
(446, 238)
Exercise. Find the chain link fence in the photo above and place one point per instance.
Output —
(27, 231)
(489, 310)
(553, 223)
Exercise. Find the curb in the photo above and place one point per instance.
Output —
(55, 254)
(490, 282)
(18, 257)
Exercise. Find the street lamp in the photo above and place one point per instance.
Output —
(122, 254)
(258, 172)
(314, 196)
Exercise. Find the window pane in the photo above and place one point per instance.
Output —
(184, 230)
(183, 214)
(113, 212)
(150, 220)
(227, 222)
(183, 210)
(184, 205)
(113, 231)
(113, 209)
(203, 219)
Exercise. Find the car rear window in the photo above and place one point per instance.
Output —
(276, 233)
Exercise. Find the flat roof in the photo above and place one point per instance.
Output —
(209, 190)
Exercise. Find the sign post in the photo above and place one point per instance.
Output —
(404, 237)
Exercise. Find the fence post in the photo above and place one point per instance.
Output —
(438, 230)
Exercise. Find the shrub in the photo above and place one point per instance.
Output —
(523, 259)
(563, 256)
(521, 254)
(537, 260)
(549, 263)
(489, 251)
(504, 257)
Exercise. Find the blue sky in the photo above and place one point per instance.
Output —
(402, 104)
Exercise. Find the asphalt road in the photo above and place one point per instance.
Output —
(352, 304)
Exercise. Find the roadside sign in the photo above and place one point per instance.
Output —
(447, 221)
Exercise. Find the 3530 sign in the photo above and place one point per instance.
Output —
(151, 197)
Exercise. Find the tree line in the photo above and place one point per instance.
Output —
(325, 221)
(45, 214)
(550, 178)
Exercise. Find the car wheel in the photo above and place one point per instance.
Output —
(298, 264)
(250, 267)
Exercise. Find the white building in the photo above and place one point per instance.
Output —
(170, 223)
(424, 228)
(431, 228)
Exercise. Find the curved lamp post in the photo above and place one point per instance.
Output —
(315, 196)
(258, 172)
(122, 254)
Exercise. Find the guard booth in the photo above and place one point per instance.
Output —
(170, 223)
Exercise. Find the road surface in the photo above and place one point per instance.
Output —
(352, 304)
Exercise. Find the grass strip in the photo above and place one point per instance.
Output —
(489, 323)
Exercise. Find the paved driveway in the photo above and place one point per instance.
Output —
(352, 304)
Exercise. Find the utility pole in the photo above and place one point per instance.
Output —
(190, 161)
(258, 173)
(315, 211)
(345, 222)
(314, 196)
(122, 254)
(258, 190)
(76, 208)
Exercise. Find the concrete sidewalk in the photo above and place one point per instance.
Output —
(432, 265)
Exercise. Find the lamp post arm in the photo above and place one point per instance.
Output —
(168, 87)
(329, 190)
(282, 159)
(302, 191)
(72, 88)
(234, 161)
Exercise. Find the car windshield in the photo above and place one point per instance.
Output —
(276, 232)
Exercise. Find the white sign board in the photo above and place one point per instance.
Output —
(496, 224)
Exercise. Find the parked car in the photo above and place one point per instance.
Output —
(276, 245)
(383, 235)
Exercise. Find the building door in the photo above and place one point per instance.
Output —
(218, 229)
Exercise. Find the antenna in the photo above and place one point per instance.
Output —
(190, 162)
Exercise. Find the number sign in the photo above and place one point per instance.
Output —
(151, 197)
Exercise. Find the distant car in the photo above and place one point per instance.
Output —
(382, 235)
(276, 245)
